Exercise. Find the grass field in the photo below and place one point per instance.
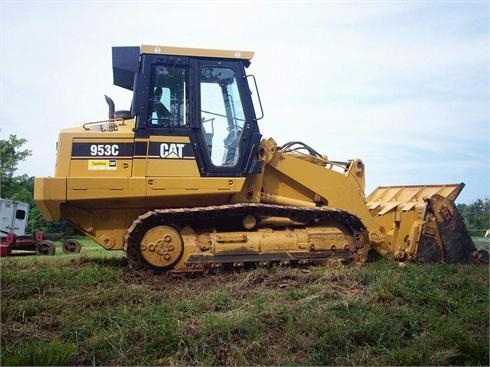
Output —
(89, 309)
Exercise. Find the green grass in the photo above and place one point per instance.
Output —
(90, 309)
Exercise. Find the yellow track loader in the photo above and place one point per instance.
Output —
(184, 181)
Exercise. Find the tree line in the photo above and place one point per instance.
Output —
(21, 187)
(476, 216)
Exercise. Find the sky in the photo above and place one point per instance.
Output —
(403, 85)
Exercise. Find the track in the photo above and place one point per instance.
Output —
(237, 236)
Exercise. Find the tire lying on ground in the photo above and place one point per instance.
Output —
(71, 247)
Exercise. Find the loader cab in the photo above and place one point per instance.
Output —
(200, 94)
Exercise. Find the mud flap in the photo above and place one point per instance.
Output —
(444, 237)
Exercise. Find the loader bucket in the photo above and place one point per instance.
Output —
(422, 224)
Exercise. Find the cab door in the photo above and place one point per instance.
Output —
(228, 133)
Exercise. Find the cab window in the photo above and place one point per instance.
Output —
(222, 116)
(168, 103)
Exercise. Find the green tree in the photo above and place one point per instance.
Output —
(11, 154)
(476, 216)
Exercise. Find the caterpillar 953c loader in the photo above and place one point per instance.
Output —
(184, 181)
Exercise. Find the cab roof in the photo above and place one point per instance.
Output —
(200, 52)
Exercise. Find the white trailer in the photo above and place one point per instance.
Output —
(13, 217)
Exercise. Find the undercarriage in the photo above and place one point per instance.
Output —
(242, 236)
